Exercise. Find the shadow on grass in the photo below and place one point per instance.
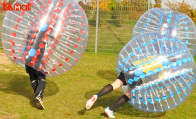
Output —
(115, 35)
(125, 109)
(107, 74)
(20, 85)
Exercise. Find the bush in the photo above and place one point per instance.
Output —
(184, 8)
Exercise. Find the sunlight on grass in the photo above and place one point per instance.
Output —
(65, 95)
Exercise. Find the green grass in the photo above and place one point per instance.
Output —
(111, 38)
(66, 95)
(1, 50)
(1, 21)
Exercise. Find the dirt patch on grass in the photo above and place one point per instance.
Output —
(8, 116)
(4, 59)
(3, 68)
(2, 86)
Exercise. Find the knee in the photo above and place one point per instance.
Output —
(44, 80)
(116, 84)
(33, 81)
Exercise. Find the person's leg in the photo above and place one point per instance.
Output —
(107, 89)
(33, 77)
(110, 87)
(41, 84)
(40, 89)
(122, 100)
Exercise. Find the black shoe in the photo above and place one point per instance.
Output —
(39, 102)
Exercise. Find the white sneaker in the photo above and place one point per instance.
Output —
(109, 112)
(39, 102)
(91, 101)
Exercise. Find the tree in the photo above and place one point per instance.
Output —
(138, 5)
(103, 4)
(158, 3)
(184, 8)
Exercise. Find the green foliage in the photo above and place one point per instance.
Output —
(158, 3)
(117, 11)
(11, 1)
(183, 7)
(139, 5)
(113, 5)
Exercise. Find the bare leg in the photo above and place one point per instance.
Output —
(116, 84)
(128, 94)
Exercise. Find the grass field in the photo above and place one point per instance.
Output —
(66, 95)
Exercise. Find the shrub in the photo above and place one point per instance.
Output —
(184, 8)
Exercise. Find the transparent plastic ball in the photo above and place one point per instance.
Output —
(48, 35)
(159, 70)
(168, 22)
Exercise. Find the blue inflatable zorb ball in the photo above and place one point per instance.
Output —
(159, 71)
(168, 22)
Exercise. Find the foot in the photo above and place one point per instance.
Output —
(109, 113)
(39, 102)
(91, 101)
